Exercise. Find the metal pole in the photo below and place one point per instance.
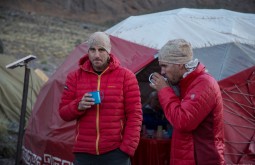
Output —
(22, 115)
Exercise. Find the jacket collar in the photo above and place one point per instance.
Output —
(185, 82)
(85, 64)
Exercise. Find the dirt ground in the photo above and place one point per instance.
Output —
(50, 39)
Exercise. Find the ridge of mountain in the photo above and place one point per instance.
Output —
(109, 11)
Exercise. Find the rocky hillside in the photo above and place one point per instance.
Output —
(51, 39)
(109, 11)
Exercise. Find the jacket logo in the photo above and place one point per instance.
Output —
(111, 86)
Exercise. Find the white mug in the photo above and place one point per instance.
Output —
(150, 78)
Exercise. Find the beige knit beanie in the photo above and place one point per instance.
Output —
(100, 39)
(176, 51)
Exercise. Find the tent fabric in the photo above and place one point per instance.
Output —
(225, 60)
(238, 92)
(201, 27)
(222, 39)
(11, 93)
(222, 55)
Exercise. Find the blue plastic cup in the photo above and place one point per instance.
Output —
(96, 96)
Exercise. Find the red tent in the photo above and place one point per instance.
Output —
(48, 139)
(238, 93)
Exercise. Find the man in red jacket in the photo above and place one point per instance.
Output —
(109, 120)
(197, 114)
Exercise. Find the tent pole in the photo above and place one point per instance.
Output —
(22, 115)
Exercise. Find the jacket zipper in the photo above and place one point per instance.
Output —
(97, 116)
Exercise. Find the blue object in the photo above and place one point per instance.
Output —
(96, 96)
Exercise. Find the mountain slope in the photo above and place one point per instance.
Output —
(108, 11)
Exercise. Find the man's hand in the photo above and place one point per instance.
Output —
(86, 102)
(158, 81)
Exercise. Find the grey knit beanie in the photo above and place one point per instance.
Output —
(100, 39)
(176, 51)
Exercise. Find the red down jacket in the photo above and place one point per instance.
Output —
(197, 119)
(116, 122)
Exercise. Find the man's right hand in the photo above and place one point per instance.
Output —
(86, 102)
(158, 82)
